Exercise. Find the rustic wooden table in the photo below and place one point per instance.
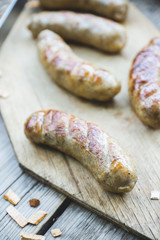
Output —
(74, 221)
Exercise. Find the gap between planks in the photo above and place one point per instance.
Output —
(87, 206)
(27, 188)
(88, 226)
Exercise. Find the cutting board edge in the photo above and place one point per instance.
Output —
(94, 210)
(67, 194)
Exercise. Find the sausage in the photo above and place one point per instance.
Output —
(114, 9)
(71, 72)
(111, 166)
(83, 28)
(144, 84)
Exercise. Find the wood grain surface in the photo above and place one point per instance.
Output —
(27, 187)
(13, 177)
(88, 226)
(31, 89)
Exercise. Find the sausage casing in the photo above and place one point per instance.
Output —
(86, 142)
(114, 9)
(83, 28)
(144, 84)
(71, 72)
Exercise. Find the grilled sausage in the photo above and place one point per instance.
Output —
(144, 84)
(99, 153)
(71, 72)
(82, 28)
(114, 9)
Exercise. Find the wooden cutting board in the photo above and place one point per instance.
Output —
(31, 89)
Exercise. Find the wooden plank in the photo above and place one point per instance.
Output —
(9, 169)
(21, 186)
(31, 89)
(27, 188)
(88, 226)
(12, 176)
(50, 202)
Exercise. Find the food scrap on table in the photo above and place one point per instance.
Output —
(17, 216)
(154, 195)
(37, 217)
(12, 197)
(56, 232)
(34, 202)
(31, 236)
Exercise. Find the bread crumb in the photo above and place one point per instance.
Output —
(34, 202)
(31, 236)
(56, 232)
(12, 197)
(154, 195)
(37, 217)
(17, 216)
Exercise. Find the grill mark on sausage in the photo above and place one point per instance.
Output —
(96, 140)
(93, 136)
(60, 126)
(35, 122)
(78, 130)
(144, 83)
(49, 126)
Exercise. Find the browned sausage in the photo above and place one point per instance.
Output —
(114, 9)
(83, 28)
(144, 84)
(72, 73)
(86, 142)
